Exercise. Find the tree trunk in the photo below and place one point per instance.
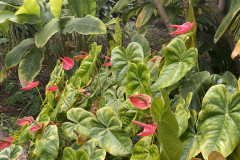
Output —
(163, 15)
(186, 7)
(221, 5)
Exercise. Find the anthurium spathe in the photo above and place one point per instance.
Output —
(53, 88)
(67, 63)
(30, 85)
(141, 101)
(109, 63)
(148, 129)
(86, 54)
(182, 28)
(25, 120)
(6, 142)
(36, 128)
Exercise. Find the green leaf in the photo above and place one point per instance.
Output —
(145, 15)
(47, 144)
(42, 36)
(29, 7)
(26, 18)
(127, 113)
(3, 75)
(81, 118)
(68, 98)
(90, 147)
(56, 8)
(121, 58)
(88, 65)
(167, 129)
(31, 65)
(11, 153)
(138, 79)
(118, 33)
(70, 154)
(144, 43)
(114, 97)
(178, 62)
(191, 139)
(15, 55)
(218, 121)
(120, 4)
(182, 114)
(5, 15)
(193, 84)
(87, 25)
(81, 7)
(109, 133)
(56, 75)
(226, 21)
(143, 150)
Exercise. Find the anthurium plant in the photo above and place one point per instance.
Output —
(133, 106)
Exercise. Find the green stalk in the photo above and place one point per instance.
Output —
(40, 95)
(191, 77)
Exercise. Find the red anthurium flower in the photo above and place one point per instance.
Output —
(148, 129)
(6, 142)
(86, 54)
(141, 101)
(36, 128)
(30, 85)
(154, 60)
(53, 88)
(67, 63)
(109, 63)
(182, 28)
(25, 120)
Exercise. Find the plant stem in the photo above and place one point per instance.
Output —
(6, 141)
(40, 95)
(195, 87)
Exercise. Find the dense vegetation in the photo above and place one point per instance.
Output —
(93, 88)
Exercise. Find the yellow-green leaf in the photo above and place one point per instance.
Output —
(29, 7)
(56, 8)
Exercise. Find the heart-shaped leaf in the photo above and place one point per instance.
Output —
(47, 144)
(138, 79)
(70, 154)
(167, 129)
(144, 43)
(109, 133)
(218, 121)
(11, 153)
(31, 65)
(178, 61)
(15, 55)
(191, 138)
(121, 59)
(81, 118)
(143, 150)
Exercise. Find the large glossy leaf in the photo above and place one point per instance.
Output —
(178, 61)
(81, 7)
(87, 25)
(226, 21)
(218, 121)
(56, 8)
(144, 43)
(80, 117)
(138, 79)
(15, 55)
(118, 33)
(11, 153)
(90, 147)
(29, 7)
(107, 130)
(47, 144)
(42, 36)
(70, 154)
(143, 150)
(192, 84)
(25, 18)
(31, 65)
(191, 138)
(167, 129)
(4, 15)
(120, 4)
(114, 97)
(56, 75)
(88, 65)
(121, 59)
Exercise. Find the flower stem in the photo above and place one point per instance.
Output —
(6, 141)
(40, 95)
